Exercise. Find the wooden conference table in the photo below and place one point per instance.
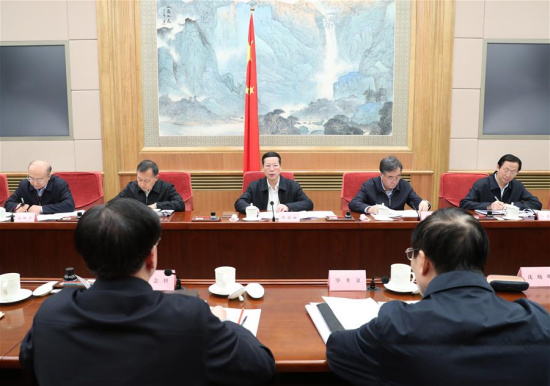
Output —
(269, 250)
(285, 326)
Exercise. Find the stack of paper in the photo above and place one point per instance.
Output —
(303, 215)
(252, 318)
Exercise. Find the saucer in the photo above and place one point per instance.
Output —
(216, 291)
(412, 287)
(22, 295)
(512, 218)
(252, 219)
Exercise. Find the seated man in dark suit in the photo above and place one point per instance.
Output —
(121, 332)
(41, 192)
(460, 333)
(500, 189)
(388, 189)
(148, 189)
(286, 195)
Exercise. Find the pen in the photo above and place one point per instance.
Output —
(244, 320)
(240, 316)
(497, 199)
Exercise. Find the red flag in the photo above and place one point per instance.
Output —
(251, 130)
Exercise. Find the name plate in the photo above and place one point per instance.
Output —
(543, 215)
(289, 217)
(160, 282)
(24, 217)
(347, 280)
(536, 276)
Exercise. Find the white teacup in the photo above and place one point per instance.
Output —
(10, 286)
(252, 212)
(512, 211)
(401, 276)
(2, 213)
(225, 278)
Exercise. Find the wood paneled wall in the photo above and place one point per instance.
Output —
(429, 112)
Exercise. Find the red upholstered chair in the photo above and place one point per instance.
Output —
(248, 177)
(86, 187)
(182, 183)
(548, 200)
(453, 187)
(351, 183)
(4, 190)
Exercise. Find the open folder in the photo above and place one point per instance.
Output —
(341, 314)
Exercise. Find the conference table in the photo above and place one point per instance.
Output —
(272, 250)
(285, 326)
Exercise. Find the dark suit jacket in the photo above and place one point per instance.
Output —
(460, 333)
(121, 332)
(57, 197)
(163, 193)
(290, 194)
(372, 193)
(483, 193)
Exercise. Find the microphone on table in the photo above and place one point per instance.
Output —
(416, 210)
(169, 272)
(272, 210)
(372, 286)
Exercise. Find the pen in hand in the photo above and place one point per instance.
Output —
(244, 320)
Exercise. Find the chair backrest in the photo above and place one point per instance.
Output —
(351, 183)
(182, 183)
(453, 187)
(4, 189)
(86, 188)
(248, 177)
(548, 200)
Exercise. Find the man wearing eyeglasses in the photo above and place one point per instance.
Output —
(501, 189)
(460, 333)
(388, 189)
(148, 189)
(41, 192)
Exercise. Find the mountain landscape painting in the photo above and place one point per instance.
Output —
(323, 67)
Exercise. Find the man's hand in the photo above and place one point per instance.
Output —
(372, 209)
(282, 208)
(153, 206)
(497, 205)
(219, 312)
(22, 208)
(423, 206)
(35, 209)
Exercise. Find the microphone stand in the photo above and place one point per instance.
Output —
(272, 210)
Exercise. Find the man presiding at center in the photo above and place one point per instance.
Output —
(148, 189)
(388, 189)
(286, 195)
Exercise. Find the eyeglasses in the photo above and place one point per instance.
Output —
(511, 172)
(393, 178)
(410, 252)
(39, 180)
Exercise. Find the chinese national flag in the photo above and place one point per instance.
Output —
(251, 130)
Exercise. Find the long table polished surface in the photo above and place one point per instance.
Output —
(285, 326)
(269, 249)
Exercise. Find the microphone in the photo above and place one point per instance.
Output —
(372, 286)
(414, 207)
(272, 210)
(168, 272)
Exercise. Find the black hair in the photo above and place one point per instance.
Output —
(453, 240)
(146, 165)
(114, 239)
(390, 164)
(509, 158)
(271, 154)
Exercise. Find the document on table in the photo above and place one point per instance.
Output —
(351, 313)
(252, 316)
(56, 216)
(303, 215)
(410, 213)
